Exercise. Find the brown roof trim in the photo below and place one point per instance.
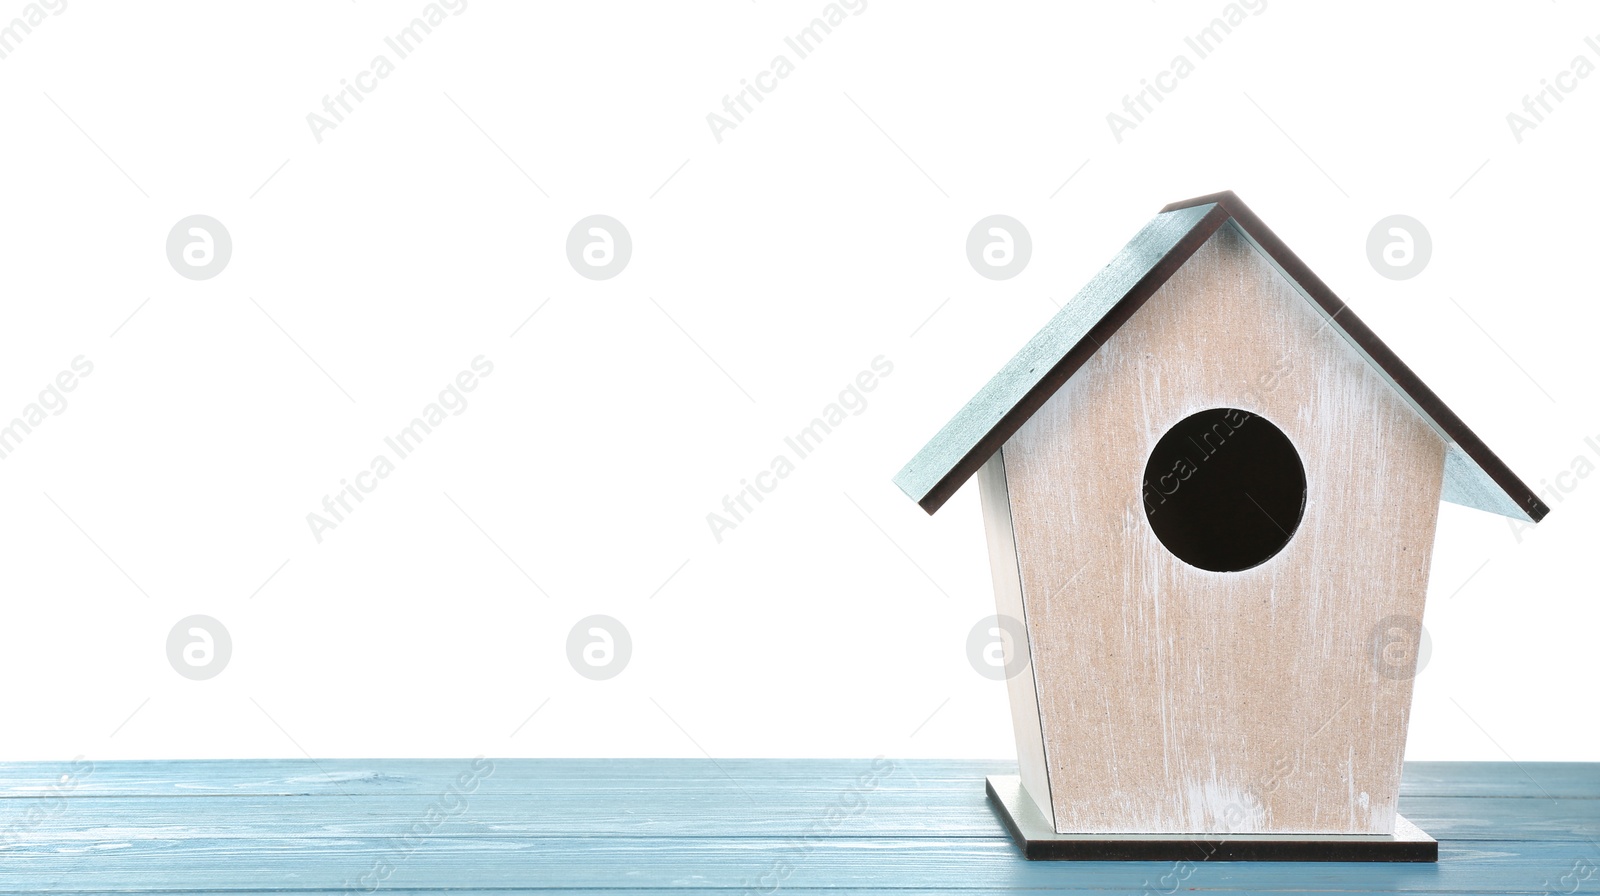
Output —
(1367, 341)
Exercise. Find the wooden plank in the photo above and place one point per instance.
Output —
(302, 776)
(911, 864)
(1577, 780)
(685, 813)
(1505, 818)
(667, 814)
(1142, 888)
(681, 825)
(1573, 780)
(1370, 890)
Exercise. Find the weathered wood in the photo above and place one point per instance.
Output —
(701, 812)
(291, 777)
(929, 863)
(1176, 699)
(1021, 684)
(582, 777)
(1039, 840)
(682, 825)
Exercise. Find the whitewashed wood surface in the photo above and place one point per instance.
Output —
(1175, 699)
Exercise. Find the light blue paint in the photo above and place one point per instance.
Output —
(643, 825)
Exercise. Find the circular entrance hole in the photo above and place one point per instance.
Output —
(1224, 489)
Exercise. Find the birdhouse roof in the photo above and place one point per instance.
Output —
(1474, 476)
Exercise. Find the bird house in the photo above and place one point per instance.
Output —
(1210, 495)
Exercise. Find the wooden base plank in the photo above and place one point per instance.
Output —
(1040, 841)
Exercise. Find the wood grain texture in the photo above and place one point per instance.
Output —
(1021, 685)
(649, 826)
(1039, 840)
(1175, 699)
(584, 777)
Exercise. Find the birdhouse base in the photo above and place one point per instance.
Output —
(1040, 841)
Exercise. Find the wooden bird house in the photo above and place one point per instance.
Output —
(1210, 495)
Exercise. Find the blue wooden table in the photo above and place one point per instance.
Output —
(631, 826)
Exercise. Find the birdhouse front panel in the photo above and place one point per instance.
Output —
(1208, 523)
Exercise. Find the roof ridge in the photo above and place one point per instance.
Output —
(1110, 299)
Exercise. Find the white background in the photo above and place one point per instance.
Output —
(827, 229)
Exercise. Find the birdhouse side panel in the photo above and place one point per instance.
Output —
(1175, 698)
(1011, 628)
